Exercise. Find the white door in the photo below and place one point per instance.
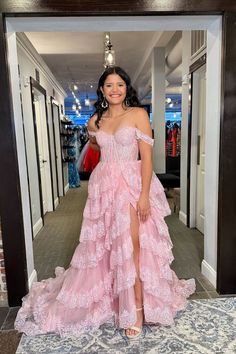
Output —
(42, 148)
(200, 214)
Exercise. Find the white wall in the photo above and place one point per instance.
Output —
(25, 66)
(212, 136)
(158, 108)
(18, 55)
(13, 64)
(28, 62)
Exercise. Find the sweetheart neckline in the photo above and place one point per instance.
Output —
(120, 129)
(113, 134)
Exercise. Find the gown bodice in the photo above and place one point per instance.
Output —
(122, 146)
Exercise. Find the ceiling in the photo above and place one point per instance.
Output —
(77, 57)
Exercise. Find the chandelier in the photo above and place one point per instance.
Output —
(109, 53)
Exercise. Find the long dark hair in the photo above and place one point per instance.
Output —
(131, 95)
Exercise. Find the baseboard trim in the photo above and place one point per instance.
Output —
(66, 188)
(209, 273)
(32, 278)
(183, 217)
(4, 301)
(56, 202)
(37, 226)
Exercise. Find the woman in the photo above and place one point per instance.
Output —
(121, 267)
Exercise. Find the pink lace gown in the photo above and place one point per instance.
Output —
(99, 284)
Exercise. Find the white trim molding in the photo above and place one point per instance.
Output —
(56, 202)
(66, 188)
(209, 272)
(33, 278)
(183, 217)
(37, 226)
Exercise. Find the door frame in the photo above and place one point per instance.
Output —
(35, 85)
(192, 167)
(54, 102)
(213, 26)
(10, 184)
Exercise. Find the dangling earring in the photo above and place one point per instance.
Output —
(104, 103)
(127, 102)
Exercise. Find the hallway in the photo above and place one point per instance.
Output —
(55, 244)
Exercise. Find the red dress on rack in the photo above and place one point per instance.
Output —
(91, 159)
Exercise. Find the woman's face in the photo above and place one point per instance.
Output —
(114, 89)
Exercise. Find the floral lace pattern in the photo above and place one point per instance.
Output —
(84, 259)
(127, 318)
(140, 135)
(148, 242)
(88, 298)
(99, 284)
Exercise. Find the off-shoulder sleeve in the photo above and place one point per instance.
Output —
(91, 133)
(144, 137)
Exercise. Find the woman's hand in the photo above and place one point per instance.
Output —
(143, 207)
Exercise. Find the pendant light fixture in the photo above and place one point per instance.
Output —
(87, 101)
(109, 53)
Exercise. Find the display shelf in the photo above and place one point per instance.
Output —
(68, 146)
(66, 122)
(68, 159)
(67, 134)
(68, 137)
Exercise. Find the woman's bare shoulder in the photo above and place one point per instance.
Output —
(142, 120)
(139, 114)
(135, 114)
(91, 123)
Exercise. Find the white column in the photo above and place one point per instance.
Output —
(158, 108)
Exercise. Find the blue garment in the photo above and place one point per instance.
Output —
(74, 179)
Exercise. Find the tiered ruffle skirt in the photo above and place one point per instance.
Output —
(99, 284)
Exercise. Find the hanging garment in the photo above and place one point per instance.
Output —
(74, 178)
(99, 284)
(81, 157)
(91, 159)
(174, 141)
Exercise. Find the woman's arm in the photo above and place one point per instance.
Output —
(143, 124)
(92, 139)
(94, 144)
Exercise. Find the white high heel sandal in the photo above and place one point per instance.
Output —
(137, 329)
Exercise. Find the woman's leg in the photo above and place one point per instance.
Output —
(134, 226)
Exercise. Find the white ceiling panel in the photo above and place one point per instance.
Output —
(77, 57)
